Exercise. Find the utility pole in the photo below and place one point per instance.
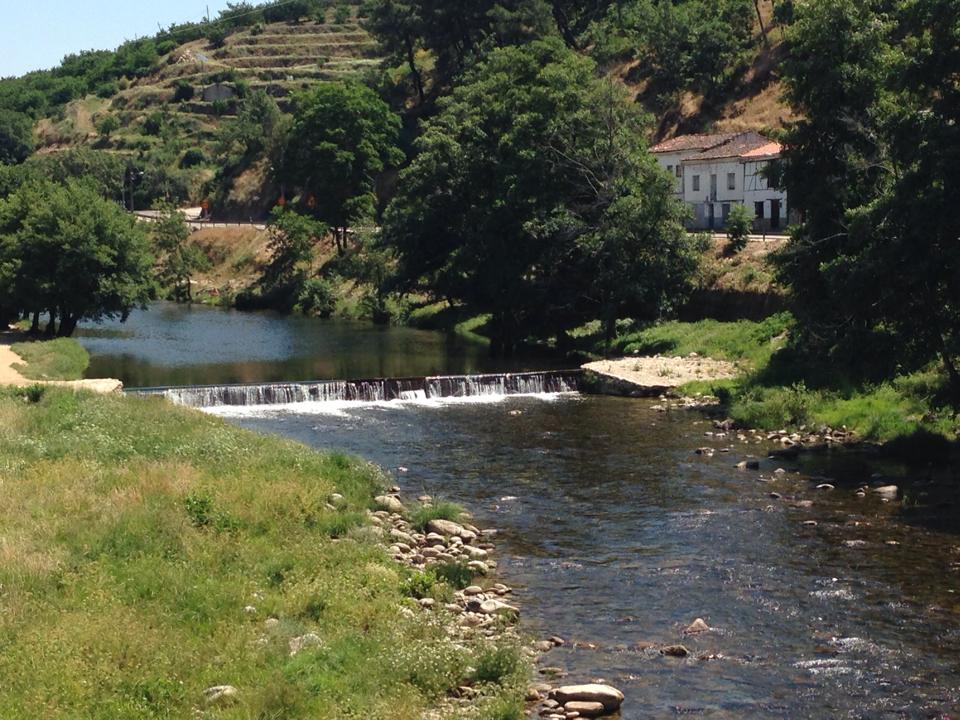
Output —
(208, 14)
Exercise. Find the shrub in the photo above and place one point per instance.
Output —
(318, 297)
(739, 224)
(220, 107)
(164, 47)
(257, 29)
(342, 14)
(496, 664)
(183, 91)
(107, 125)
(217, 36)
(192, 158)
(153, 124)
(107, 89)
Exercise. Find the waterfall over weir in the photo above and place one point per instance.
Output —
(378, 390)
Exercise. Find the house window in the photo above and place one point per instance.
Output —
(731, 181)
(758, 210)
(679, 172)
(669, 168)
(696, 183)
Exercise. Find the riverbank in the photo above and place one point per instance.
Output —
(775, 389)
(59, 362)
(161, 563)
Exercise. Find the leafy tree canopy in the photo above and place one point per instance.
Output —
(67, 251)
(874, 168)
(343, 137)
(532, 198)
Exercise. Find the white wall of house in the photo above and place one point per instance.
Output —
(671, 162)
(720, 185)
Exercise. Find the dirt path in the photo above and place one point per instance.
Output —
(8, 358)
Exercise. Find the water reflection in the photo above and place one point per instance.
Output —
(194, 345)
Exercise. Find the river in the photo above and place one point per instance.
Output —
(617, 535)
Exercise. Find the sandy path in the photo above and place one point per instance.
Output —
(8, 358)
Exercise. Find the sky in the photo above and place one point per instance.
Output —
(36, 34)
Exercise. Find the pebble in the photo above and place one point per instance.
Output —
(607, 696)
(390, 504)
(674, 651)
(887, 492)
(748, 465)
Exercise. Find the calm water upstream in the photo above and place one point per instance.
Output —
(173, 344)
(616, 534)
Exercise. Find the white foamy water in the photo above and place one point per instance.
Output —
(340, 408)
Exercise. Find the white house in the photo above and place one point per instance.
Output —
(715, 172)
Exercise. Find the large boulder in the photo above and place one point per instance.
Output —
(390, 504)
(606, 695)
(449, 528)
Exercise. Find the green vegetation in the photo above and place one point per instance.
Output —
(146, 545)
(420, 517)
(178, 259)
(874, 270)
(552, 211)
(67, 252)
(59, 359)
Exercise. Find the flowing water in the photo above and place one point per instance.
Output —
(616, 535)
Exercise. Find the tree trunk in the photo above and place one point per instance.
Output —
(763, 30)
(68, 323)
(414, 70)
(52, 325)
(560, 18)
(35, 325)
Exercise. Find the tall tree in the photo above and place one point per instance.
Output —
(178, 259)
(873, 167)
(532, 198)
(343, 137)
(66, 251)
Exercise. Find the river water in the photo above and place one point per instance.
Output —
(617, 535)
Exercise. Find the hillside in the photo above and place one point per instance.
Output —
(196, 85)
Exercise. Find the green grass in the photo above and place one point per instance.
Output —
(749, 344)
(441, 316)
(60, 359)
(133, 536)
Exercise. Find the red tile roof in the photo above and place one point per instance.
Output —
(691, 142)
(714, 147)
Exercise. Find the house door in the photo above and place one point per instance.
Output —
(774, 214)
(713, 189)
(712, 215)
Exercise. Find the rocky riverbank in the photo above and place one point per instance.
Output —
(482, 610)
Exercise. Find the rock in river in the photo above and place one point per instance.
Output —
(609, 697)
(390, 504)
(450, 528)
(696, 627)
(585, 708)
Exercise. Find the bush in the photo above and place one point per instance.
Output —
(107, 125)
(153, 124)
(165, 47)
(183, 91)
(455, 574)
(318, 297)
(497, 664)
(220, 107)
(739, 224)
(342, 14)
(217, 36)
(257, 29)
(192, 158)
(107, 89)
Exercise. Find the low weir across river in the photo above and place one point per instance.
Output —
(373, 390)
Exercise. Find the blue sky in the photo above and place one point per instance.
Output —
(36, 34)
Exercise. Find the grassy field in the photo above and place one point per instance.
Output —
(143, 548)
(60, 359)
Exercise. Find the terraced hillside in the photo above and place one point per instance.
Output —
(198, 83)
